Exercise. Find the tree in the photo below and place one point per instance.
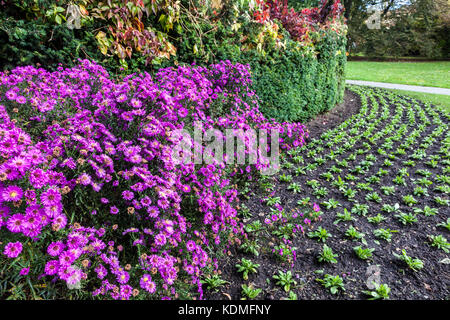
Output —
(415, 27)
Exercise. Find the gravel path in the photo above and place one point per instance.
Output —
(400, 87)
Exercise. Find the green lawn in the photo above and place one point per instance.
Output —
(436, 99)
(431, 74)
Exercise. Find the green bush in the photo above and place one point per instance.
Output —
(295, 86)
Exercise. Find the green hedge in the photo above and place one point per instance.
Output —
(296, 86)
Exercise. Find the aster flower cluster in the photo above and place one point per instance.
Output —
(87, 177)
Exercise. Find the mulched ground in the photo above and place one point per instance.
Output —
(335, 116)
(432, 282)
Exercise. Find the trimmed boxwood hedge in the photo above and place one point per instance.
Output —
(297, 87)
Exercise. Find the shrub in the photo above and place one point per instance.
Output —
(297, 85)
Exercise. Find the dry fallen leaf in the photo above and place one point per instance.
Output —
(227, 295)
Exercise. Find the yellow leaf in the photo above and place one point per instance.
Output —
(121, 51)
(102, 42)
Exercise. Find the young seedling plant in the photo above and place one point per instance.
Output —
(214, 282)
(414, 264)
(249, 292)
(385, 234)
(251, 246)
(445, 224)
(363, 254)
(333, 283)
(376, 219)
(439, 242)
(354, 234)
(343, 217)
(247, 266)
(321, 234)
(327, 255)
(406, 218)
(285, 280)
(427, 211)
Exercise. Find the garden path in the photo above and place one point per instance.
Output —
(400, 87)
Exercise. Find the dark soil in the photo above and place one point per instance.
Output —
(335, 116)
(431, 282)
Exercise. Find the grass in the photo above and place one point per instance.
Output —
(431, 74)
(436, 99)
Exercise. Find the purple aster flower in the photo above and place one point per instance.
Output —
(66, 258)
(126, 291)
(153, 211)
(316, 207)
(150, 287)
(160, 239)
(51, 267)
(51, 197)
(128, 195)
(15, 223)
(12, 193)
(24, 271)
(75, 277)
(163, 203)
(13, 249)
(183, 112)
(136, 103)
(59, 222)
(32, 221)
(146, 201)
(38, 178)
(144, 280)
(11, 95)
(123, 277)
(104, 200)
(53, 210)
(76, 240)
(85, 179)
(101, 272)
(190, 269)
(55, 248)
(190, 245)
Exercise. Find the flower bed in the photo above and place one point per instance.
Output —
(90, 195)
